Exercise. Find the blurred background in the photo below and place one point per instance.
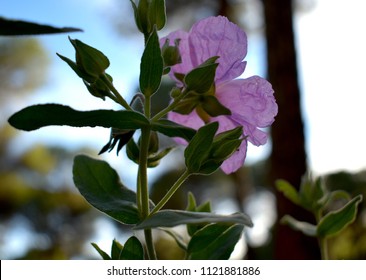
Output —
(312, 51)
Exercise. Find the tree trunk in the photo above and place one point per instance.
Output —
(288, 158)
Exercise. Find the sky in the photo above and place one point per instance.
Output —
(331, 65)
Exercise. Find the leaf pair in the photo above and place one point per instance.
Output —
(314, 197)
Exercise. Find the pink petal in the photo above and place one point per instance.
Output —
(236, 161)
(217, 36)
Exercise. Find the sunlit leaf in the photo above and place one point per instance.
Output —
(288, 191)
(171, 218)
(335, 221)
(304, 227)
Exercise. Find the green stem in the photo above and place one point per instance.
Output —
(324, 248)
(170, 107)
(171, 191)
(118, 96)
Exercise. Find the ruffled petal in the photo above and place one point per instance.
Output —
(217, 36)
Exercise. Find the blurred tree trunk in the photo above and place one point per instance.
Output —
(288, 158)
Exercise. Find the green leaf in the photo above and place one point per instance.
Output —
(101, 187)
(38, 116)
(132, 250)
(214, 242)
(335, 221)
(202, 78)
(304, 227)
(10, 27)
(151, 68)
(173, 129)
(116, 250)
(199, 147)
(103, 254)
(171, 218)
(288, 191)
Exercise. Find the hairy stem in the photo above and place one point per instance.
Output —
(119, 99)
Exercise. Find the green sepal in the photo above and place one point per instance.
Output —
(79, 71)
(171, 54)
(151, 68)
(202, 77)
(199, 147)
(157, 14)
(173, 129)
(213, 107)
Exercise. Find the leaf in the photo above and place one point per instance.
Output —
(199, 147)
(38, 116)
(171, 218)
(151, 68)
(103, 254)
(288, 191)
(10, 27)
(116, 250)
(335, 221)
(173, 129)
(211, 105)
(132, 250)
(214, 242)
(304, 227)
(100, 186)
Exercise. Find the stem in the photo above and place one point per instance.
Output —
(170, 107)
(324, 248)
(118, 96)
(171, 191)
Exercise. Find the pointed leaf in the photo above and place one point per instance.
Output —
(157, 14)
(132, 250)
(103, 254)
(116, 250)
(151, 68)
(171, 218)
(38, 116)
(100, 186)
(214, 242)
(10, 27)
(304, 227)
(288, 191)
(177, 238)
(336, 221)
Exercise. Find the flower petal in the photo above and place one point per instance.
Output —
(252, 104)
(217, 36)
(236, 161)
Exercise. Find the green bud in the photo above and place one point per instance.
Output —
(157, 14)
(171, 54)
(90, 60)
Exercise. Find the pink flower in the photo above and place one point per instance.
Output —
(250, 100)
